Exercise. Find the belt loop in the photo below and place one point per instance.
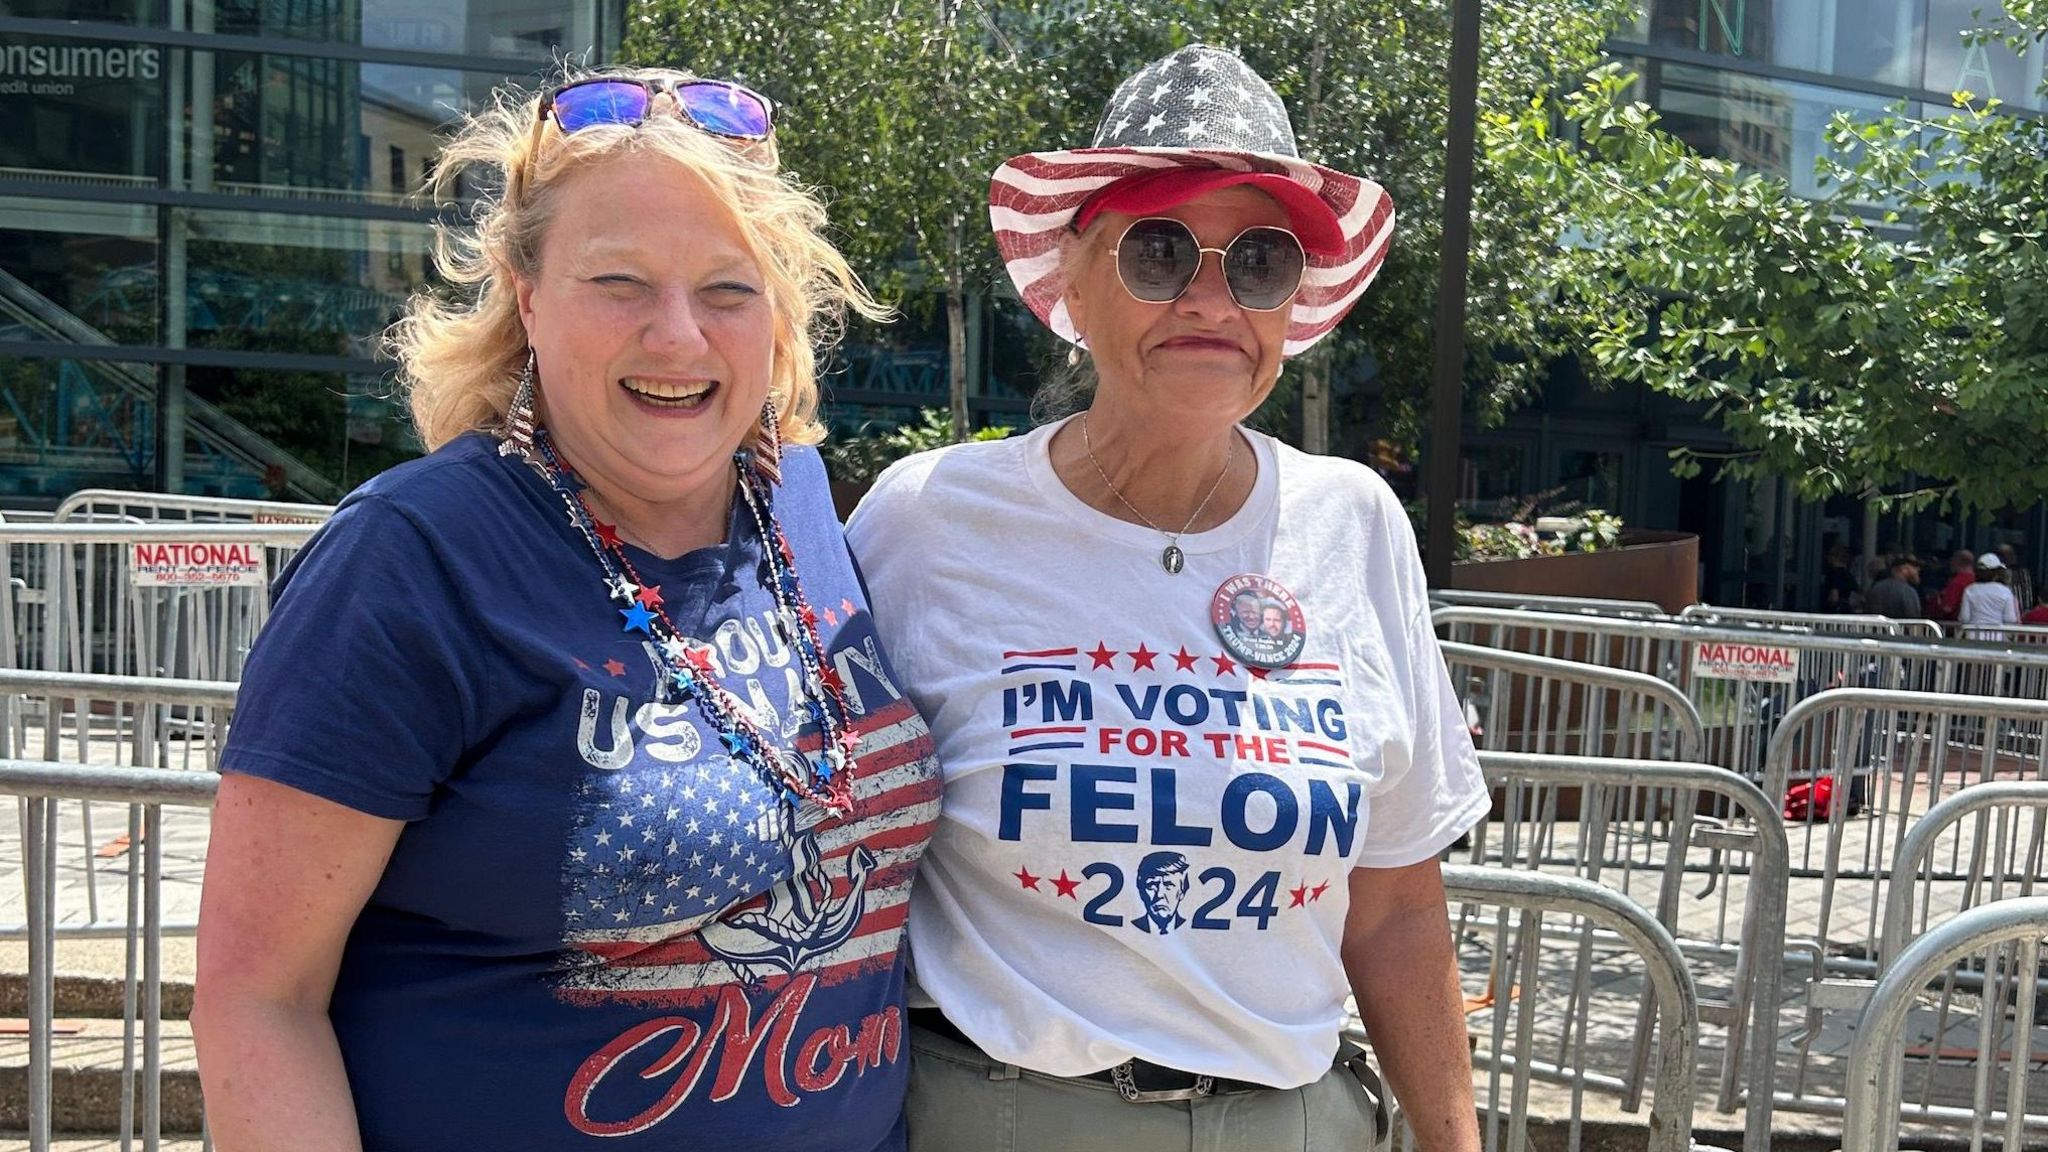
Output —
(1004, 1071)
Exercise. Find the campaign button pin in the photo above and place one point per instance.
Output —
(1258, 621)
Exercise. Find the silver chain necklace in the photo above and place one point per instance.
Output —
(1172, 558)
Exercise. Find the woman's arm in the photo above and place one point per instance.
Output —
(286, 875)
(1404, 973)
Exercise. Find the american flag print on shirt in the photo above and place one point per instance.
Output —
(684, 878)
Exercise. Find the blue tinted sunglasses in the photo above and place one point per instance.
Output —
(719, 107)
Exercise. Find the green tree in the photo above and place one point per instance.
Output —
(901, 114)
(1886, 341)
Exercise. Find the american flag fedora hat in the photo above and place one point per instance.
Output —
(1200, 107)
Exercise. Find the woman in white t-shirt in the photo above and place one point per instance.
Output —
(1201, 752)
(1988, 602)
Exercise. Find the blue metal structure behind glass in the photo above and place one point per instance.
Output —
(207, 215)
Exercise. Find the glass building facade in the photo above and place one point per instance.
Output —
(1756, 82)
(209, 213)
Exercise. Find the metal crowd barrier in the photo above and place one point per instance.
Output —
(174, 727)
(1836, 623)
(1997, 858)
(1534, 602)
(1889, 760)
(162, 506)
(1982, 972)
(1786, 666)
(1515, 702)
(1641, 829)
(1525, 962)
(77, 600)
(146, 792)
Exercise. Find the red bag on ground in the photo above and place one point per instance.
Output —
(1812, 800)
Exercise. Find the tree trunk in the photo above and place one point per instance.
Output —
(956, 338)
(1315, 402)
(1315, 367)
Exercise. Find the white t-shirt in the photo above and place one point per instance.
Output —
(1145, 841)
(1987, 602)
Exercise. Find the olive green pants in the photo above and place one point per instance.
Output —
(962, 1101)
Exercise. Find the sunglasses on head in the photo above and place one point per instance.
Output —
(719, 107)
(1158, 257)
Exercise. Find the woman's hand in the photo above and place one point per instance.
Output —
(286, 875)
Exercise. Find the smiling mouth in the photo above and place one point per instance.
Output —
(683, 394)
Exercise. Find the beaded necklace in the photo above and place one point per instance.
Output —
(689, 673)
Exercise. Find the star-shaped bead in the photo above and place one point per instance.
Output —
(638, 618)
(607, 534)
(650, 596)
(621, 589)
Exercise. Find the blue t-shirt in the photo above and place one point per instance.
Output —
(596, 929)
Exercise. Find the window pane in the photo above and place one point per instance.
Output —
(1767, 125)
(78, 272)
(72, 110)
(1723, 27)
(1876, 39)
(1988, 70)
(70, 424)
(537, 30)
(343, 427)
(301, 284)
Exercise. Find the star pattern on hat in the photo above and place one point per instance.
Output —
(1199, 97)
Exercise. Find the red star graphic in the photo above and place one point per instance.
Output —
(1142, 657)
(1103, 655)
(1257, 672)
(1025, 878)
(650, 596)
(1224, 665)
(846, 607)
(1065, 885)
(607, 534)
(1299, 896)
(615, 668)
(831, 617)
(1184, 660)
(1316, 893)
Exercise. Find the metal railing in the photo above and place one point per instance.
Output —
(1837, 623)
(1982, 969)
(1516, 702)
(145, 791)
(1516, 978)
(1997, 856)
(171, 727)
(1640, 831)
(1740, 714)
(76, 601)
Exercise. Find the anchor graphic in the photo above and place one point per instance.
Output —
(800, 921)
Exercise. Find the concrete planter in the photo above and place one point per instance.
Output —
(1658, 566)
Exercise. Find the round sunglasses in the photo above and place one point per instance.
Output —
(1158, 257)
(719, 107)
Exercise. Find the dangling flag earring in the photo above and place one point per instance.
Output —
(768, 443)
(517, 433)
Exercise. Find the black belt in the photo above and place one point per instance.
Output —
(1139, 1081)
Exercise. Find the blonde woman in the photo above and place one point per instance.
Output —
(570, 802)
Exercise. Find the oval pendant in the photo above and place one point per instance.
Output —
(1172, 560)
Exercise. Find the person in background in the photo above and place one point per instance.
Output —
(2038, 614)
(2018, 575)
(1898, 594)
(1987, 602)
(1838, 591)
(1962, 568)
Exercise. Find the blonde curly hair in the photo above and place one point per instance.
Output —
(460, 353)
